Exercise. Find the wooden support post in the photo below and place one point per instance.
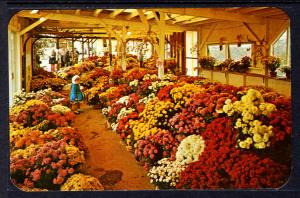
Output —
(123, 46)
(82, 48)
(73, 51)
(161, 53)
(58, 58)
(183, 50)
(244, 79)
(97, 12)
(88, 44)
(110, 51)
(227, 77)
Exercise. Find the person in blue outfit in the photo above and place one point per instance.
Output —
(76, 96)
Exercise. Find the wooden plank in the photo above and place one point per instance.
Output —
(143, 18)
(77, 12)
(183, 18)
(194, 20)
(283, 28)
(150, 16)
(251, 9)
(207, 21)
(156, 17)
(98, 21)
(214, 14)
(97, 12)
(249, 29)
(132, 15)
(212, 28)
(30, 27)
(115, 13)
(233, 9)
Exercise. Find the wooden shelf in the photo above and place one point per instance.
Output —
(280, 85)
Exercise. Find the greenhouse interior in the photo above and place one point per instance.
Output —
(150, 99)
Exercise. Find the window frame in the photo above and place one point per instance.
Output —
(227, 49)
(288, 44)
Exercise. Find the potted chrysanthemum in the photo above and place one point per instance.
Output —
(207, 62)
(287, 71)
(272, 63)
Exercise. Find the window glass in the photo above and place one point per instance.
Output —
(214, 51)
(280, 48)
(237, 53)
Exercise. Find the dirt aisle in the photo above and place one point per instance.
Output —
(108, 159)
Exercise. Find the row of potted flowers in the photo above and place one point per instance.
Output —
(189, 132)
(272, 63)
(46, 153)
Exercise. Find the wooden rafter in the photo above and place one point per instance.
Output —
(97, 12)
(266, 12)
(143, 18)
(212, 28)
(283, 28)
(208, 21)
(213, 14)
(96, 21)
(38, 22)
(249, 29)
(232, 9)
(150, 16)
(155, 16)
(77, 12)
(132, 15)
(250, 9)
(115, 13)
(194, 20)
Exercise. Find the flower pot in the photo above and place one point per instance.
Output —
(273, 73)
(288, 75)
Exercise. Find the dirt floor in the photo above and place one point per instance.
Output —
(107, 157)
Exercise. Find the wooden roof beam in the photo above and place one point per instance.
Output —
(208, 21)
(249, 29)
(132, 15)
(77, 12)
(97, 12)
(98, 21)
(115, 13)
(194, 20)
(143, 18)
(30, 27)
(150, 16)
(155, 16)
(232, 9)
(213, 14)
(251, 9)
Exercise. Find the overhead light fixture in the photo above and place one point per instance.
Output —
(34, 11)
(128, 33)
(42, 19)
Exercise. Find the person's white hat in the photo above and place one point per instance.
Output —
(74, 78)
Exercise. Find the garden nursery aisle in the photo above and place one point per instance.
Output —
(107, 157)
